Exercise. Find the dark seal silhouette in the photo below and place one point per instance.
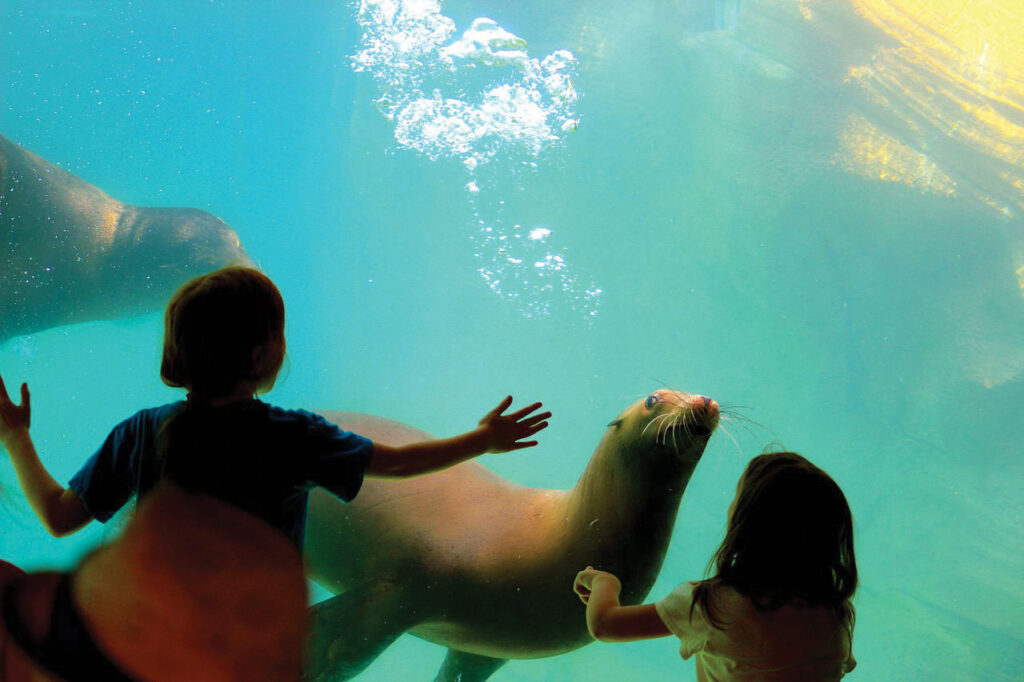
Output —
(71, 253)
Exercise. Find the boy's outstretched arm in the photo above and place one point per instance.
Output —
(497, 432)
(59, 509)
(609, 621)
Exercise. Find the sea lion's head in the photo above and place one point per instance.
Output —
(665, 426)
(630, 493)
(156, 250)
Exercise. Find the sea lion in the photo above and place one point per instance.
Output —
(71, 253)
(470, 561)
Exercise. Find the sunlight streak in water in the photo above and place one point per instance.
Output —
(952, 87)
(484, 101)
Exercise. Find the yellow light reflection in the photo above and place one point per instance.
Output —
(96, 209)
(867, 151)
(977, 43)
(957, 71)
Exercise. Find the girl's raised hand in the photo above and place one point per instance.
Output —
(584, 583)
(506, 432)
(13, 417)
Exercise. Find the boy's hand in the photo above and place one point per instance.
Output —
(584, 583)
(13, 417)
(505, 432)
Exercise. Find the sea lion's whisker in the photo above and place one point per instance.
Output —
(662, 434)
(737, 415)
(722, 427)
(730, 411)
(675, 392)
(745, 427)
(733, 419)
(744, 421)
(681, 396)
(653, 420)
(689, 421)
(669, 424)
(648, 425)
(659, 381)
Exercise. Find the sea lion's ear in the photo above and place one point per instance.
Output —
(615, 422)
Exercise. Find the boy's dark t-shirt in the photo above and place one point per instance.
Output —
(264, 460)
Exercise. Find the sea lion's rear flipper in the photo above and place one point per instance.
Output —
(460, 666)
(351, 629)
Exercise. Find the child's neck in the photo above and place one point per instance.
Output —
(242, 395)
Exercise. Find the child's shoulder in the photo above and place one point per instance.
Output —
(677, 602)
(150, 416)
(722, 599)
(287, 415)
(300, 421)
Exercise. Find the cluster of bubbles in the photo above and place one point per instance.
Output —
(482, 100)
(525, 270)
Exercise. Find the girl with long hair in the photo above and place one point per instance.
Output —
(777, 603)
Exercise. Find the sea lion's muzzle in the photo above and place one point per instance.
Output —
(705, 416)
(681, 418)
(700, 421)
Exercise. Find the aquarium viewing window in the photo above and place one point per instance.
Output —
(749, 226)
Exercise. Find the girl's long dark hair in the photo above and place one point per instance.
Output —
(789, 540)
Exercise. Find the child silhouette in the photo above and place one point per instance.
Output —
(778, 604)
(224, 343)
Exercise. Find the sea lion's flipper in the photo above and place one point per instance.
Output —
(460, 666)
(350, 630)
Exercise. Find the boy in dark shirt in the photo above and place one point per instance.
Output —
(224, 343)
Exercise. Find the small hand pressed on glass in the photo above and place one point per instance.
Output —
(584, 583)
(14, 416)
(505, 432)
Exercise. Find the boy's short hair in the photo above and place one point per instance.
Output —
(224, 330)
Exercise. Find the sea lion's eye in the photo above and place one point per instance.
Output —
(651, 399)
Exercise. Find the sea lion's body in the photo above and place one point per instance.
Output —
(71, 253)
(483, 566)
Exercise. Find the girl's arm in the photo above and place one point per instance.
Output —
(496, 433)
(609, 621)
(59, 509)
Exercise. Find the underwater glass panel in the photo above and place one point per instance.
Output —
(811, 211)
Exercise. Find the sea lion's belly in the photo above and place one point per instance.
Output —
(488, 617)
(460, 524)
(479, 555)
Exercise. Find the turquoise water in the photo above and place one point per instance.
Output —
(721, 202)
